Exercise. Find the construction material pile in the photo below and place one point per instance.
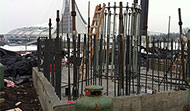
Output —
(17, 67)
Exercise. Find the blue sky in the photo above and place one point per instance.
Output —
(25, 13)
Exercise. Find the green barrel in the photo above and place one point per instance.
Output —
(94, 101)
(1, 77)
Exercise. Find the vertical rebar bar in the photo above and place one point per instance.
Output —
(121, 30)
(159, 56)
(100, 61)
(137, 33)
(188, 58)
(182, 46)
(153, 52)
(78, 63)
(91, 59)
(69, 78)
(58, 60)
(94, 61)
(112, 56)
(166, 64)
(53, 62)
(108, 47)
(171, 78)
(129, 52)
(87, 53)
(119, 66)
(176, 65)
(84, 49)
(115, 64)
(73, 14)
(147, 62)
(179, 70)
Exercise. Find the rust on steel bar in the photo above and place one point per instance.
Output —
(182, 44)
(73, 14)
(121, 29)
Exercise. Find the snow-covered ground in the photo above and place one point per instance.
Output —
(19, 47)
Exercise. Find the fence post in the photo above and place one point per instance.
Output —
(1, 77)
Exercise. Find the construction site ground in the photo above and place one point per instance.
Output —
(22, 96)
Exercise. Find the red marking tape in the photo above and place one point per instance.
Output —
(87, 93)
(70, 102)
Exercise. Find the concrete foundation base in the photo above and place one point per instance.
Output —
(163, 101)
(46, 94)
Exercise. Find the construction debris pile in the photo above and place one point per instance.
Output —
(17, 67)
